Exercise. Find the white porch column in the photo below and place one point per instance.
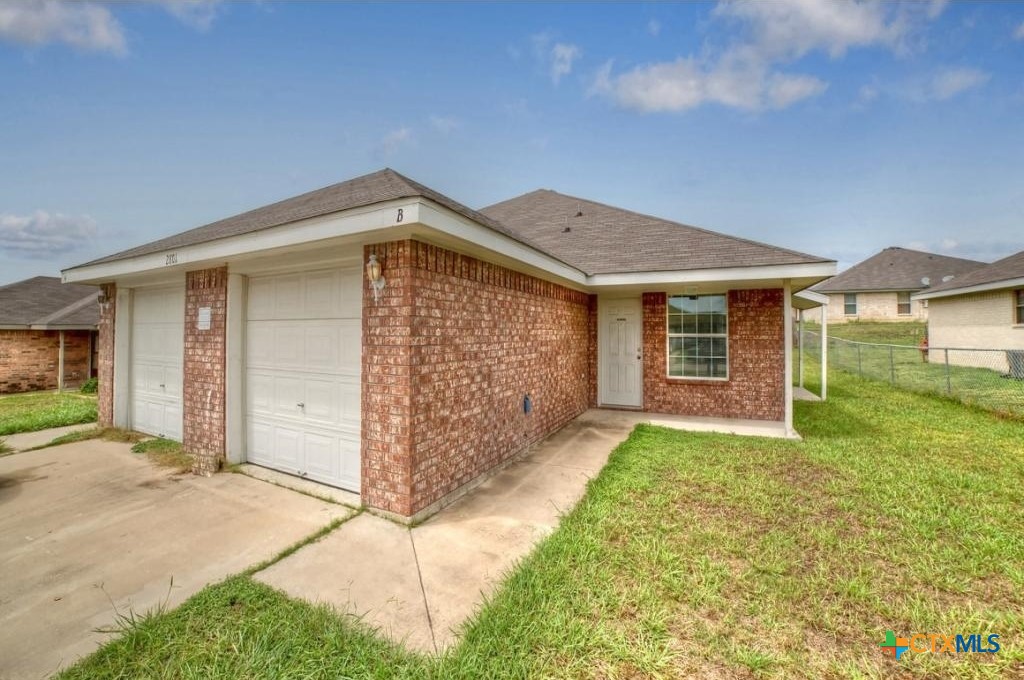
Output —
(800, 344)
(824, 351)
(234, 399)
(787, 315)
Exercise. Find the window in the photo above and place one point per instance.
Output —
(850, 304)
(1020, 306)
(698, 337)
(903, 303)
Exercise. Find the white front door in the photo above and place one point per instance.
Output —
(303, 355)
(621, 346)
(158, 337)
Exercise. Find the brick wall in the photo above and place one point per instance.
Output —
(105, 360)
(203, 399)
(755, 389)
(29, 359)
(449, 354)
(870, 307)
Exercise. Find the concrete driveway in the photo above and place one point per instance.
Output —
(90, 529)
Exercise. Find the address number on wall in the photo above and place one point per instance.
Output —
(171, 258)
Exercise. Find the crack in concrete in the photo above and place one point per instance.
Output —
(423, 590)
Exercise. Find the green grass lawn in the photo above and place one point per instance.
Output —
(882, 332)
(43, 410)
(698, 555)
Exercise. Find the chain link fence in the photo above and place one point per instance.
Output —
(992, 379)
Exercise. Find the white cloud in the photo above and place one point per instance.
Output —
(394, 140)
(654, 27)
(41, 234)
(736, 81)
(445, 124)
(84, 25)
(949, 83)
(199, 14)
(746, 73)
(1018, 33)
(867, 94)
(557, 58)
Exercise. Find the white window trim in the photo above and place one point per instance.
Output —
(668, 344)
(1018, 307)
(855, 305)
(908, 303)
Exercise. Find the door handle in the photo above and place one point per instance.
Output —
(301, 405)
(163, 385)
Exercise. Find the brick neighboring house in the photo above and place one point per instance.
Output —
(47, 334)
(983, 310)
(381, 337)
(880, 287)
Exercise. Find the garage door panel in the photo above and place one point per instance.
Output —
(303, 346)
(156, 365)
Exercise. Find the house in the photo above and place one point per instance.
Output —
(982, 310)
(378, 336)
(880, 287)
(47, 334)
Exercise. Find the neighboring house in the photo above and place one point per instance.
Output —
(982, 310)
(880, 287)
(378, 336)
(47, 334)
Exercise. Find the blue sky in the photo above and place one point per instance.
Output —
(833, 128)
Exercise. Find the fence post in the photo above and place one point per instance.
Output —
(892, 367)
(860, 367)
(949, 388)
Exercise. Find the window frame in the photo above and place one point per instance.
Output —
(669, 335)
(846, 304)
(900, 303)
(1019, 306)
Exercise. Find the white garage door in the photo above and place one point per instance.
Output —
(303, 352)
(158, 330)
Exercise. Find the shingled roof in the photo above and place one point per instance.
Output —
(1007, 269)
(601, 239)
(898, 269)
(43, 301)
(378, 187)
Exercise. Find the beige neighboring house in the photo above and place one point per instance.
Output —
(982, 310)
(881, 287)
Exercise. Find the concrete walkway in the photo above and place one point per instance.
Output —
(418, 585)
(30, 440)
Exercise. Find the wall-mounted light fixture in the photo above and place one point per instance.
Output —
(374, 276)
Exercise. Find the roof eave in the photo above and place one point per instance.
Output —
(1005, 284)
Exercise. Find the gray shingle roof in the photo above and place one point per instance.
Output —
(898, 269)
(45, 301)
(1006, 269)
(602, 239)
(378, 187)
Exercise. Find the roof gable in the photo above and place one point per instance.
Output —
(898, 269)
(602, 239)
(378, 187)
(1007, 269)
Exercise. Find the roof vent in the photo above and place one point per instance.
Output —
(947, 278)
(925, 281)
(566, 230)
(579, 211)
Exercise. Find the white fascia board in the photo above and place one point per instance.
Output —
(454, 224)
(347, 223)
(778, 271)
(967, 290)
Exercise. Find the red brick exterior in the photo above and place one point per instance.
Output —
(449, 354)
(105, 360)
(29, 360)
(203, 399)
(755, 389)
